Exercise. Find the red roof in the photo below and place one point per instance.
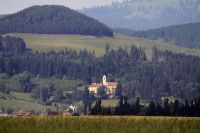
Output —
(112, 83)
(23, 111)
(100, 84)
(1, 111)
(95, 85)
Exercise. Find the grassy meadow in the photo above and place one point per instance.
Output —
(109, 102)
(59, 84)
(44, 42)
(17, 100)
(95, 124)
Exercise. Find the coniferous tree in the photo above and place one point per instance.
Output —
(137, 106)
(86, 99)
(119, 90)
(166, 107)
(151, 111)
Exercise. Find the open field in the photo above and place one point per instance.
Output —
(59, 84)
(110, 102)
(11, 83)
(18, 100)
(92, 124)
(44, 42)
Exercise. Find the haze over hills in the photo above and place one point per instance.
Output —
(52, 20)
(146, 14)
(186, 35)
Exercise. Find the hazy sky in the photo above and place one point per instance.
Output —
(11, 6)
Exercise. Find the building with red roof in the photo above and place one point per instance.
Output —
(111, 86)
(23, 112)
(2, 113)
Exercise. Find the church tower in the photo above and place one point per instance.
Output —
(104, 80)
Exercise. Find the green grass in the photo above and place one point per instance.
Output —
(22, 96)
(110, 102)
(60, 84)
(91, 124)
(46, 42)
(11, 83)
(17, 100)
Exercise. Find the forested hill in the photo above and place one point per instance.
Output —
(52, 19)
(186, 35)
(146, 14)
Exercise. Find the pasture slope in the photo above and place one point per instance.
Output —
(44, 42)
(17, 100)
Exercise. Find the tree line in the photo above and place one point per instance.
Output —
(165, 108)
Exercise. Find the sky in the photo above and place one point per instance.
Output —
(12, 6)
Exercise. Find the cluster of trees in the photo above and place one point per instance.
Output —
(48, 95)
(4, 89)
(52, 20)
(88, 98)
(186, 35)
(81, 65)
(12, 44)
(168, 74)
(45, 91)
(165, 108)
(25, 81)
(177, 74)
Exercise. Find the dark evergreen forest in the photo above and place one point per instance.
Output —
(52, 20)
(168, 74)
(167, 108)
(12, 44)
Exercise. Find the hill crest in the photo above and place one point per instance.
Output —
(52, 19)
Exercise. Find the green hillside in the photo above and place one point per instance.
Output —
(17, 100)
(186, 35)
(52, 19)
(46, 42)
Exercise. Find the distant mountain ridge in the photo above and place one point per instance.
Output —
(185, 35)
(146, 14)
(52, 19)
(1, 16)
